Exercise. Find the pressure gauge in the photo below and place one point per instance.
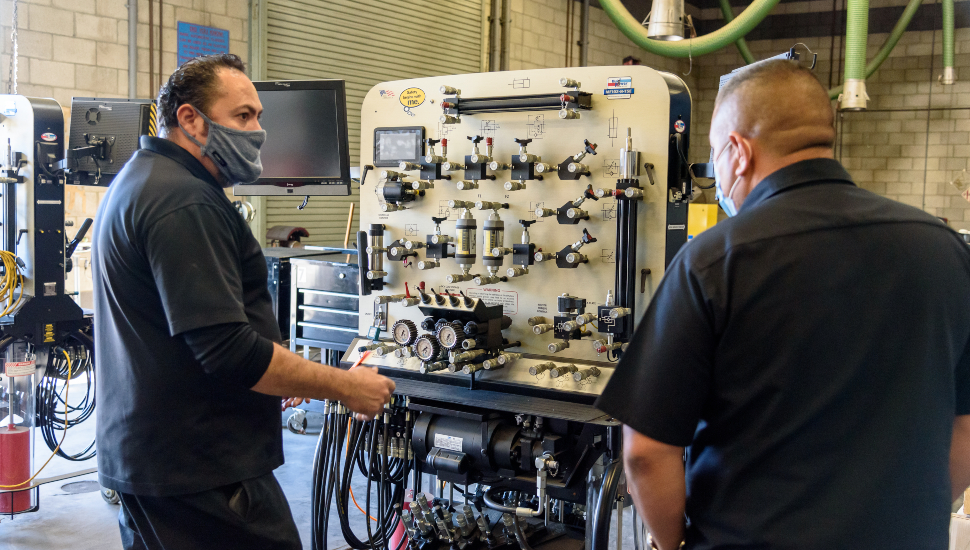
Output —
(426, 347)
(451, 335)
(404, 332)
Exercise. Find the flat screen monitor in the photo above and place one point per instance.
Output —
(306, 150)
(114, 126)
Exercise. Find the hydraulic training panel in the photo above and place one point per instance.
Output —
(515, 224)
(514, 227)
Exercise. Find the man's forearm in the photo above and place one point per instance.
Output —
(960, 456)
(290, 375)
(659, 491)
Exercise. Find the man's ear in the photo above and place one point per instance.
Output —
(744, 150)
(190, 120)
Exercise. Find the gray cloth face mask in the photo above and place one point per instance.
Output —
(235, 152)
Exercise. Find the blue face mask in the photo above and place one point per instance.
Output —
(235, 152)
(726, 202)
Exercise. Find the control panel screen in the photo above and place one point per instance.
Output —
(393, 145)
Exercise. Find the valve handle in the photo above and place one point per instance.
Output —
(523, 141)
(587, 238)
(437, 221)
(590, 147)
(590, 194)
(432, 142)
(475, 139)
(527, 223)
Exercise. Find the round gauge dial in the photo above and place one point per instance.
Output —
(427, 348)
(404, 332)
(451, 335)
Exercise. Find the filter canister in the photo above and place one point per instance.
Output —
(14, 468)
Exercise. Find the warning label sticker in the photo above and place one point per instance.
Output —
(508, 299)
(20, 368)
(449, 442)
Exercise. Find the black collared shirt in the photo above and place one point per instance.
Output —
(811, 352)
(171, 257)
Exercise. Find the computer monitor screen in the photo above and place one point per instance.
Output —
(104, 134)
(306, 150)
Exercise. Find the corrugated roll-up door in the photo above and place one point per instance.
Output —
(363, 42)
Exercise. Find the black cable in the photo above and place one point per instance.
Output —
(50, 396)
(604, 506)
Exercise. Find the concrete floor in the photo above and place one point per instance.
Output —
(86, 522)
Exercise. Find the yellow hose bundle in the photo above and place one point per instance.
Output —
(9, 282)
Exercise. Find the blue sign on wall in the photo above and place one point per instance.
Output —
(195, 40)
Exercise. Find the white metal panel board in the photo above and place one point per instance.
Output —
(645, 111)
(363, 43)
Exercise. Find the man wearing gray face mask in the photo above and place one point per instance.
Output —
(189, 362)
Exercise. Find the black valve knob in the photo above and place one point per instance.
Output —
(437, 221)
(587, 238)
(432, 142)
(527, 223)
(523, 141)
(590, 147)
(590, 194)
(475, 139)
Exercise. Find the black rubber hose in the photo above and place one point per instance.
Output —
(604, 507)
(520, 536)
(371, 449)
(356, 436)
(320, 482)
(386, 503)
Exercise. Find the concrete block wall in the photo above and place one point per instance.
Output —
(915, 137)
(69, 48)
(73, 48)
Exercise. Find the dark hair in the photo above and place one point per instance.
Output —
(193, 83)
(631, 59)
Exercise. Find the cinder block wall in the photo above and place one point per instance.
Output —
(915, 137)
(71, 48)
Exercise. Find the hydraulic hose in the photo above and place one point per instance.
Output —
(496, 505)
(520, 536)
(854, 95)
(949, 76)
(740, 42)
(888, 45)
(744, 23)
(604, 506)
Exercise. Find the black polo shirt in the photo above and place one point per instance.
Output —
(171, 255)
(811, 352)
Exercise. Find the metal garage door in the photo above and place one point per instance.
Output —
(363, 42)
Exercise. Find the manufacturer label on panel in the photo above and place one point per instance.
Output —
(449, 442)
(19, 368)
(48, 136)
(619, 87)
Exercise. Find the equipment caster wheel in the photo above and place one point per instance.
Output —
(110, 496)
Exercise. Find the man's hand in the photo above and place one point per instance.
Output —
(293, 402)
(367, 392)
